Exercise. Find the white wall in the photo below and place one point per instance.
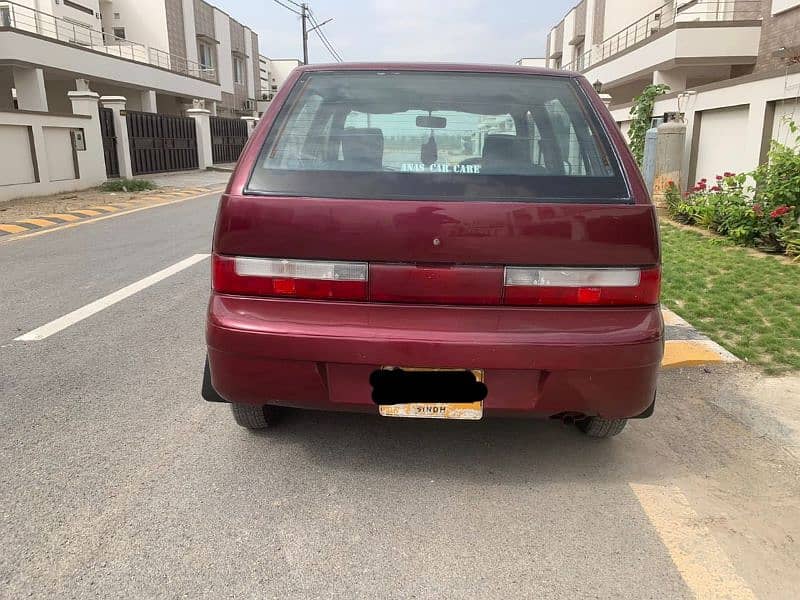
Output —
(17, 164)
(53, 152)
(723, 133)
(569, 33)
(73, 59)
(713, 42)
(145, 21)
(58, 150)
(779, 6)
(251, 56)
(622, 13)
(189, 30)
(222, 29)
(281, 68)
(67, 12)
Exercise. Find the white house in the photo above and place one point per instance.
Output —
(160, 54)
(733, 68)
(273, 73)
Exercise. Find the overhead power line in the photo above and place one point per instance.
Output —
(305, 15)
(289, 8)
(321, 34)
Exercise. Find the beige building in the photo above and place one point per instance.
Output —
(161, 55)
(733, 67)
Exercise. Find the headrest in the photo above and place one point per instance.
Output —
(506, 153)
(363, 148)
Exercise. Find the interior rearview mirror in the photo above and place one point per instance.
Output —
(431, 122)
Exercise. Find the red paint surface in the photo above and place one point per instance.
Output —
(538, 361)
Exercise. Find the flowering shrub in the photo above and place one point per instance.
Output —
(766, 215)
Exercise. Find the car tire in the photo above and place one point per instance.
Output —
(254, 417)
(601, 428)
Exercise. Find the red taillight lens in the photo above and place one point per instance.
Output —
(289, 278)
(581, 287)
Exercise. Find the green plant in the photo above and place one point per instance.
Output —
(128, 185)
(672, 198)
(641, 116)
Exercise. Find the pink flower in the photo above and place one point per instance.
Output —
(716, 188)
(720, 177)
(703, 180)
(779, 212)
(728, 174)
(671, 183)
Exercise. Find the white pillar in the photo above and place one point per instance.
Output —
(91, 161)
(756, 119)
(675, 79)
(117, 106)
(31, 93)
(251, 124)
(213, 108)
(149, 103)
(202, 121)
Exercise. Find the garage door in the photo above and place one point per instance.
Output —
(723, 135)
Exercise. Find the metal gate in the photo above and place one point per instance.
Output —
(228, 137)
(109, 142)
(161, 143)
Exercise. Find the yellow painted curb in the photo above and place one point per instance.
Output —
(86, 212)
(689, 353)
(63, 217)
(38, 222)
(13, 228)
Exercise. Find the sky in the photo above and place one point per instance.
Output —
(483, 31)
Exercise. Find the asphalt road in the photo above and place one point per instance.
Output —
(118, 481)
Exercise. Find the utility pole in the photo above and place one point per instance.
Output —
(304, 16)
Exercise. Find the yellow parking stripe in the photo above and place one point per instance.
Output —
(687, 353)
(106, 208)
(13, 228)
(701, 562)
(63, 216)
(38, 222)
(87, 212)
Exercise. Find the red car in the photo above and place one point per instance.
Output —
(437, 241)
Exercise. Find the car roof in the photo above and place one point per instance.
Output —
(437, 67)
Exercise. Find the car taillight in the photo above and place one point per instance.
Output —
(289, 278)
(531, 286)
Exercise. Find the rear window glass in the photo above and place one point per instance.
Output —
(419, 135)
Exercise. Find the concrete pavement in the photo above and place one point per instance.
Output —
(118, 481)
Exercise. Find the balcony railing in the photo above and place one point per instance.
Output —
(665, 16)
(22, 18)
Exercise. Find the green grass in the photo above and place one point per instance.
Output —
(749, 304)
(127, 185)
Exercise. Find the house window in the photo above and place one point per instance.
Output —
(116, 16)
(5, 16)
(238, 70)
(79, 7)
(119, 33)
(206, 55)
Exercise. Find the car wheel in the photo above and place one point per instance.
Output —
(254, 417)
(601, 428)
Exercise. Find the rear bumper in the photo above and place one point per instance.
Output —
(537, 361)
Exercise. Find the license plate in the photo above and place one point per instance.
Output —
(470, 411)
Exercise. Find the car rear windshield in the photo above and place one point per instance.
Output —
(434, 135)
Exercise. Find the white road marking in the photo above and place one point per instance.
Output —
(703, 565)
(45, 331)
